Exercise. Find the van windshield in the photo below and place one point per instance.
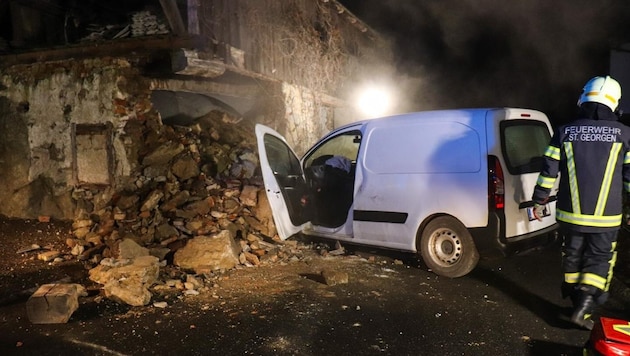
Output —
(523, 143)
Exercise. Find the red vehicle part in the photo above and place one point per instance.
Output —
(609, 337)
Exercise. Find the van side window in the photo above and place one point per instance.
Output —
(281, 160)
(288, 174)
(345, 144)
(523, 143)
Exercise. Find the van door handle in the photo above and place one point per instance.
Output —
(529, 204)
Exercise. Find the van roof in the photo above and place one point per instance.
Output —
(440, 112)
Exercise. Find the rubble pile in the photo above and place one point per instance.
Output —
(196, 204)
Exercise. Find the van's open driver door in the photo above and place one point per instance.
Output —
(284, 181)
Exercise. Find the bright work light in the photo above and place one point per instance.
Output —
(374, 102)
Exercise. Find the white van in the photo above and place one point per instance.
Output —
(446, 184)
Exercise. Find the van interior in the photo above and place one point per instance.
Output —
(329, 173)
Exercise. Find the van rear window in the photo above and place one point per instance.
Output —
(523, 143)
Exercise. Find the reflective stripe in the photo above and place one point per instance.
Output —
(611, 98)
(545, 182)
(575, 194)
(626, 158)
(611, 265)
(604, 189)
(594, 280)
(572, 278)
(553, 152)
(588, 220)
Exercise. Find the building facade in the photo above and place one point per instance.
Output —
(84, 85)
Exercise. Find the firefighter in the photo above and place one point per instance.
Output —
(592, 156)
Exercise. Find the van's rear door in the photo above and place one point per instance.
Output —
(523, 136)
(284, 181)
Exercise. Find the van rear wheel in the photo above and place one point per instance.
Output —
(447, 248)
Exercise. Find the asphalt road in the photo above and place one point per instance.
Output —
(390, 306)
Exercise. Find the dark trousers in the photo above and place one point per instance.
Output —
(587, 261)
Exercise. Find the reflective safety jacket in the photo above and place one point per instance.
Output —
(593, 160)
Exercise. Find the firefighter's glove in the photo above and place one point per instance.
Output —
(538, 211)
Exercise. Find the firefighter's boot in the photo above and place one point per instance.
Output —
(570, 290)
(582, 312)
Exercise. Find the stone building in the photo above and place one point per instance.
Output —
(85, 85)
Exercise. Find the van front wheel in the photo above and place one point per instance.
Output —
(447, 248)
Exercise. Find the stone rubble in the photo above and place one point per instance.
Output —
(196, 207)
(54, 303)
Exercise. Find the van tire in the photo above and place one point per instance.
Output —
(447, 247)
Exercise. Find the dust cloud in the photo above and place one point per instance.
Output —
(474, 53)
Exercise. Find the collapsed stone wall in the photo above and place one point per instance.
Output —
(41, 104)
(196, 202)
(189, 196)
(192, 180)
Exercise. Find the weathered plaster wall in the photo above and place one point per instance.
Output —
(38, 106)
(307, 120)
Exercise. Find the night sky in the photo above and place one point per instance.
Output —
(473, 53)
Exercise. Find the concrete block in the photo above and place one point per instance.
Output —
(53, 303)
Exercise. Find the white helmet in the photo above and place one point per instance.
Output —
(603, 90)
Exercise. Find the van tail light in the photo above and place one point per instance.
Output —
(496, 191)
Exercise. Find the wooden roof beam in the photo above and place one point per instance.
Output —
(173, 16)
